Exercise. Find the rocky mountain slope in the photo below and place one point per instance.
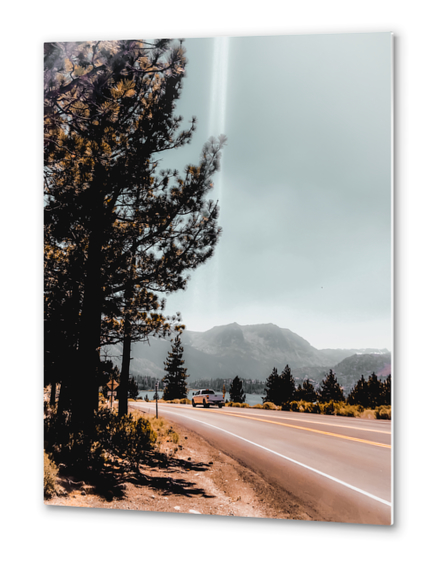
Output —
(246, 351)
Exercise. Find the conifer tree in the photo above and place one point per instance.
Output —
(386, 391)
(359, 394)
(272, 388)
(374, 391)
(306, 392)
(121, 229)
(287, 386)
(330, 389)
(175, 379)
(236, 391)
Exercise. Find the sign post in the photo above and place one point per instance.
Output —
(112, 385)
(156, 394)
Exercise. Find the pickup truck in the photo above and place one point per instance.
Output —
(207, 397)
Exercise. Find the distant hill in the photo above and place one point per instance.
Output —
(349, 371)
(246, 351)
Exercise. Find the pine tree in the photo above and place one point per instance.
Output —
(175, 379)
(330, 389)
(287, 386)
(272, 388)
(386, 391)
(120, 228)
(374, 391)
(359, 394)
(236, 391)
(306, 392)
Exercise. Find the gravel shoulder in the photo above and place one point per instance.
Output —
(199, 479)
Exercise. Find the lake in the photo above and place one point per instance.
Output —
(251, 399)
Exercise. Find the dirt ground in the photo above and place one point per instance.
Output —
(198, 480)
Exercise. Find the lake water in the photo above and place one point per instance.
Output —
(251, 399)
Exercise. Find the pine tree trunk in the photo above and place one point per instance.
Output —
(124, 374)
(126, 356)
(84, 383)
(53, 393)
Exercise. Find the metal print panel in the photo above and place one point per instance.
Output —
(218, 276)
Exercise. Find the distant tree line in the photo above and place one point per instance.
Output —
(281, 389)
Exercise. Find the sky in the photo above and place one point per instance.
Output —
(305, 187)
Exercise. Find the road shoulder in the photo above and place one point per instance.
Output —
(198, 480)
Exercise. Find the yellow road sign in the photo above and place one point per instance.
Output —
(112, 385)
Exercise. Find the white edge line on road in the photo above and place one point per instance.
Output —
(295, 462)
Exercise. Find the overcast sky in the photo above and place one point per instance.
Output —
(305, 186)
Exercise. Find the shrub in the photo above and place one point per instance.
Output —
(343, 409)
(382, 412)
(312, 408)
(258, 406)
(327, 408)
(269, 406)
(368, 414)
(50, 476)
(129, 437)
(185, 401)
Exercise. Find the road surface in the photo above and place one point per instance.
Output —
(337, 468)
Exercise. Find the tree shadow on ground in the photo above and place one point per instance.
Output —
(110, 482)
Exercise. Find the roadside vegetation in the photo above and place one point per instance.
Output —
(114, 443)
(367, 399)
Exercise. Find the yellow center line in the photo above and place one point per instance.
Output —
(331, 424)
(312, 430)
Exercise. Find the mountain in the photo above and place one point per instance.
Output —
(349, 371)
(246, 351)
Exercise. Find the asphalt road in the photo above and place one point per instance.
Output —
(338, 469)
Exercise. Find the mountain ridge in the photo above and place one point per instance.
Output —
(248, 351)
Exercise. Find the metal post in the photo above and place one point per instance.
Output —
(156, 392)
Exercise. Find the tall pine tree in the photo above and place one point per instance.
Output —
(287, 386)
(236, 391)
(120, 228)
(175, 379)
(272, 388)
(330, 389)
(359, 394)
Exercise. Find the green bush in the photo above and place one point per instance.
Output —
(382, 412)
(50, 476)
(128, 437)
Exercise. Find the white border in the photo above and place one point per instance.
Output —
(29, 528)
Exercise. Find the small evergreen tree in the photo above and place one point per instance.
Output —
(298, 393)
(175, 379)
(374, 391)
(236, 391)
(359, 394)
(330, 389)
(386, 391)
(287, 386)
(272, 387)
(306, 392)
